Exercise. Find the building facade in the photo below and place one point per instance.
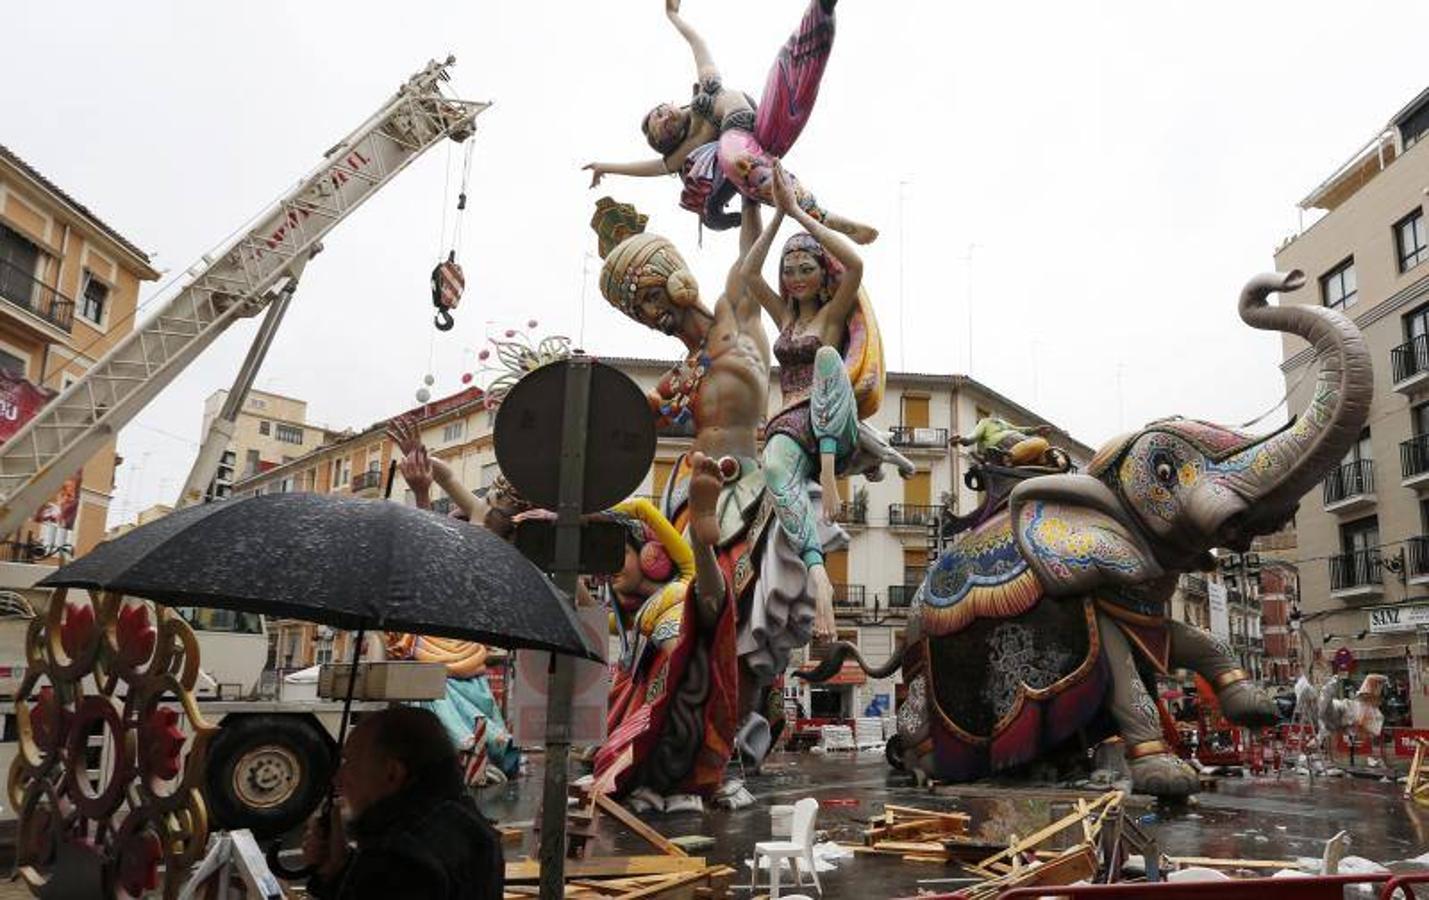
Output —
(1364, 557)
(887, 521)
(69, 288)
(270, 430)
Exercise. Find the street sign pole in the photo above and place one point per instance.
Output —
(565, 569)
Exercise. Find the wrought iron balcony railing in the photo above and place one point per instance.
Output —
(900, 596)
(1410, 358)
(1419, 556)
(849, 596)
(1358, 569)
(908, 436)
(911, 514)
(1349, 480)
(25, 291)
(368, 480)
(1414, 456)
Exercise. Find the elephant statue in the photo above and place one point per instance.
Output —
(1046, 620)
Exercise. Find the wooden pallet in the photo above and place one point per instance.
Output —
(1416, 787)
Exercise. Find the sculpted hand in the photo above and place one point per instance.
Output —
(403, 432)
(784, 199)
(416, 469)
(597, 172)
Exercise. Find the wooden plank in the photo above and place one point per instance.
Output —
(657, 840)
(671, 884)
(915, 813)
(924, 848)
(1030, 843)
(607, 867)
(911, 828)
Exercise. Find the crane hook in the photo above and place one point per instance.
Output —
(444, 320)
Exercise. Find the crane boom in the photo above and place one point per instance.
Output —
(237, 281)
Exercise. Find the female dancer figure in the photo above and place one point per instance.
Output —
(818, 297)
(719, 144)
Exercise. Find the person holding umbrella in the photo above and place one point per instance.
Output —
(411, 829)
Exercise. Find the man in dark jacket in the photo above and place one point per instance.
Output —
(417, 833)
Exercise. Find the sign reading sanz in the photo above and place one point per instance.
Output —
(1403, 617)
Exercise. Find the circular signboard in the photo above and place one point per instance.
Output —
(619, 437)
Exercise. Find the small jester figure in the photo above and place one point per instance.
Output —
(671, 719)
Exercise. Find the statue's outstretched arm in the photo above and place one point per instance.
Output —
(751, 265)
(704, 63)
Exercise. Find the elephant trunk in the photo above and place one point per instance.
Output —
(835, 660)
(1287, 464)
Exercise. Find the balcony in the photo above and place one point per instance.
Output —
(852, 514)
(1418, 560)
(900, 596)
(1414, 461)
(442, 506)
(849, 596)
(1194, 585)
(1350, 487)
(370, 480)
(1356, 575)
(919, 438)
(35, 297)
(911, 515)
(1410, 364)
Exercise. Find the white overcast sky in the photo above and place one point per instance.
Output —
(1119, 168)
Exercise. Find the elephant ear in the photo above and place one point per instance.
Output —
(1076, 537)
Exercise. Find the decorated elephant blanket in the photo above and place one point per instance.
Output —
(1024, 674)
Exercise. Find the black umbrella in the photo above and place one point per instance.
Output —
(339, 561)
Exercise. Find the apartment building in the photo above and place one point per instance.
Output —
(888, 521)
(69, 287)
(270, 430)
(1362, 550)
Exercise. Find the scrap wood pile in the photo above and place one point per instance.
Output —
(1095, 842)
(671, 873)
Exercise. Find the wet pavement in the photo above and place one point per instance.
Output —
(1242, 818)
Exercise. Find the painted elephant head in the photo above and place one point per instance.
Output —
(1158, 500)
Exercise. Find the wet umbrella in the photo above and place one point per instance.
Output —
(340, 561)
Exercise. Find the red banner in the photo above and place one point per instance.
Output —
(19, 401)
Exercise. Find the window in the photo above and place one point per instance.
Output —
(341, 472)
(289, 434)
(1360, 535)
(1409, 237)
(454, 431)
(265, 428)
(19, 260)
(1338, 288)
(489, 473)
(92, 298)
(250, 463)
(257, 403)
(324, 652)
(12, 364)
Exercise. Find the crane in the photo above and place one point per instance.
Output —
(255, 271)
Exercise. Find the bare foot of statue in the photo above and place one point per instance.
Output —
(823, 603)
(705, 485)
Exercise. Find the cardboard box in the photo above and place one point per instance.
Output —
(384, 681)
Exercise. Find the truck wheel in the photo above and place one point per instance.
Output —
(267, 773)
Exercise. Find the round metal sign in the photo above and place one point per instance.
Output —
(619, 439)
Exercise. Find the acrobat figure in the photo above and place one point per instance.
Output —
(720, 144)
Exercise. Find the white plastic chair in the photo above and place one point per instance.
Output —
(800, 847)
